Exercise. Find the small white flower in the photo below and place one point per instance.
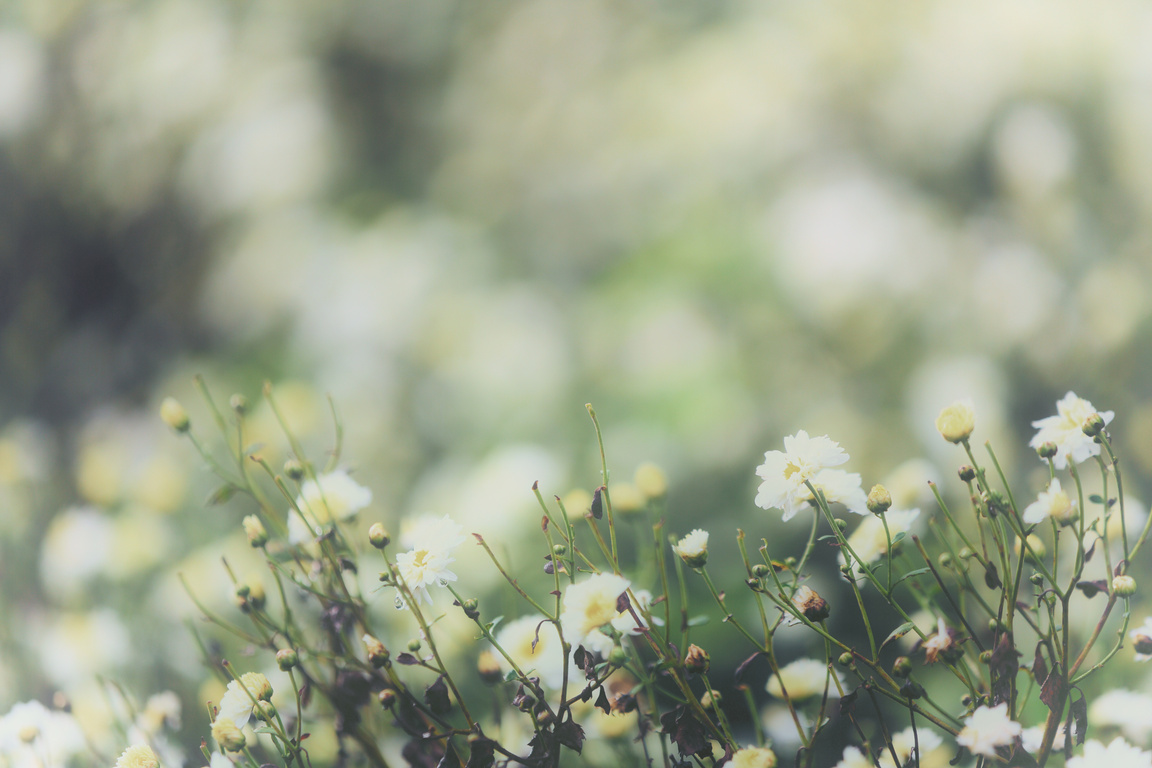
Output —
(1118, 754)
(138, 756)
(693, 548)
(426, 563)
(236, 703)
(988, 728)
(533, 643)
(854, 758)
(1066, 431)
(33, 735)
(1141, 638)
(1129, 711)
(803, 679)
(1032, 739)
(870, 542)
(1054, 503)
(590, 604)
(753, 757)
(330, 497)
(807, 459)
(904, 743)
(220, 760)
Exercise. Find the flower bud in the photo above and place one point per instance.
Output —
(710, 699)
(265, 710)
(559, 550)
(227, 735)
(471, 608)
(966, 472)
(1047, 450)
(1037, 579)
(294, 469)
(387, 698)
(239, 404)
(1035, 549)
(1124, 585)
(760, 570)
(911, 689)
(693, 548)
(1141, 640)
(256, 532)
(791, 562)
(808, 602)
(489, 668)
(956, 422)
(650, 481)
(945, 560)
(286, 659)
(1093, 425)
(696, 660)
(136, 756)
(879, 500)
(617, 657)
(174, 415)
(902, 667)
(414, 645)
(377, 654)
(845, 659)
(378, 535)
(966, 553)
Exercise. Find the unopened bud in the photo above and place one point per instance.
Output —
(471, 608)
(387, 698)
(945, 560)
(911, 689)
(790, 562)
(286, 659)
(489, 668)
(414, 645)
(1036, 579)
(265, 710)
(377, 654)
(845, 659)
(814, 607)
(879, 500)
(696, 660)
(378, 536)
(559, 550)
(174, 415)
(1093, 425)
(841, 523)
(693, 548)
(1047, 450)
(294, 469)
(227, 735)
(1035, 549)
(239, 404)
(902, 667)
(760, 570)
(956, 422)
(255, 530)
(617, 657)
(1124, 585)
(967, 473)
(966, 553)
(985, 657)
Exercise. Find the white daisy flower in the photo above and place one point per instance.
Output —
(807, 459)
(1118, 754)
(988, 728)
(534, 644)
(1130, 711)
(590, 604)
(1066, 431)
(905, 742)
(854, 758)
(426, 563)
(693, 548)
(236, 703)
(803, 679)
(330, 497)
(1052, 502)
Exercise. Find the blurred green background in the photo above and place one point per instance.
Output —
(718, 222)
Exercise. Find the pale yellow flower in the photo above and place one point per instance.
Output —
(956, 421)
(138, 756)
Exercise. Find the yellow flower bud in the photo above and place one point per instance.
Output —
(174, 414)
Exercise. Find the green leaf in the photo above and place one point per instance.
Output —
(511, 675)
(494, 622)
(697, 621)
(898, 633)
(1096, 498)
(222, 494)
(898, 538)
(910, 574)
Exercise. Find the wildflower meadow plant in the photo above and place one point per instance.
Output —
(972, 634)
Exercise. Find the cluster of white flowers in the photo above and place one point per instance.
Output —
(1118, 754)
(590, 604)
(808, 460)
(803, 679)
(988, 728)
(431, 542)
(534, 644)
